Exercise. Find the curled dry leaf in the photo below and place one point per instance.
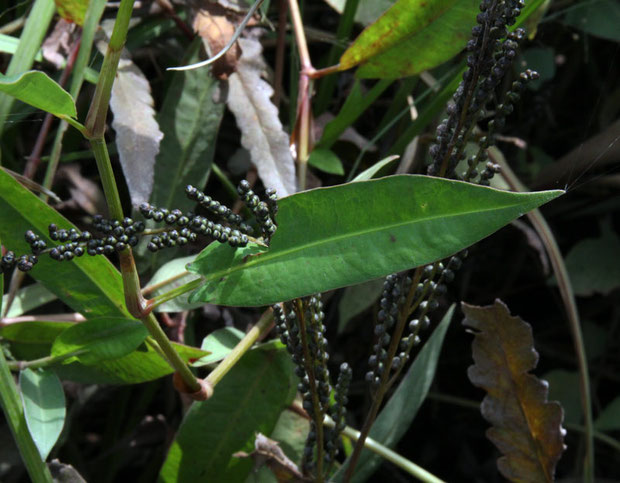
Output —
(57, 44)
(527, 429)
(216, 25)
(249, 99)
(268, 452)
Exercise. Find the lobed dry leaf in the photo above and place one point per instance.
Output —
(526, 428)
(249, 99)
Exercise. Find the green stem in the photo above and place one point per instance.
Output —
(172, 355)
(40, 363)
(104, 166)
(387, 454)
(160, 299)
(11, 404)
(263, 326)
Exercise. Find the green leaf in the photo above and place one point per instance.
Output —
(375, 168)
(248, 400)
(44, 407)
(40, 91)
(348, 234)
(219, 343)
(609, 419)
(89, 285)
(100, 339)
(597, 17)
(395, 418)
(28, 298)
(411, 37)
(367, 11)
(139, 366)
(357, 299)
(326, 160)
(174, 268)
(190, 117)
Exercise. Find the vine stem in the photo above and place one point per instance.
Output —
(95, 132)
(303, 128)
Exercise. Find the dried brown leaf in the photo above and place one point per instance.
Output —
(526, 428)
(216, 25)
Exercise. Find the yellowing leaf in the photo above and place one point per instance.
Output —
(72, 10)
(526, 428)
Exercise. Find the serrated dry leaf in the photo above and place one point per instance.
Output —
(249, 99)
(137, 132)
(527, 429)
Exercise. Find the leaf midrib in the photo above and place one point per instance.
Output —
(265, 257)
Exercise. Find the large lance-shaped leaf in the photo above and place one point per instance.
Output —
(343, 235)
(411, 37)
(38, 90)
(100, 339)
(248, 400)
(526, 428)
(395, 418)
(89, 285)
(44, 407)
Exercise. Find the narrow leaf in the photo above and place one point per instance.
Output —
(526, 428)
(141, 365)
(44, 407)
(249, 99)
(396, 417)
(89, 285)
(411, 37)
(28, 298)
(344, 235)
(100, 339)
(40, 91)
(137, 131)
(367, 11)
(248, 400)
(375, 168)
(190, 117)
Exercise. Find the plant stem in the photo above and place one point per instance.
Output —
(303, 128)
(14, 415)
(263, 326)
(175, 292)
(386, 453)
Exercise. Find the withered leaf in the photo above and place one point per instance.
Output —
(216, 26)
(527, 429)
(249, 99)
(268, 452)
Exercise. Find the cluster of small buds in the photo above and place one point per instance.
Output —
(24, 262)
(264, 211)
(395, 289)
(338, 410)
(299, 325)
(492, 51)
(217, 209)
(187, 227)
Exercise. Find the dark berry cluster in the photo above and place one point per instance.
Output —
(265, 211)
(300, 327)
(395, 290)
(492, 51)
(24, 262)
